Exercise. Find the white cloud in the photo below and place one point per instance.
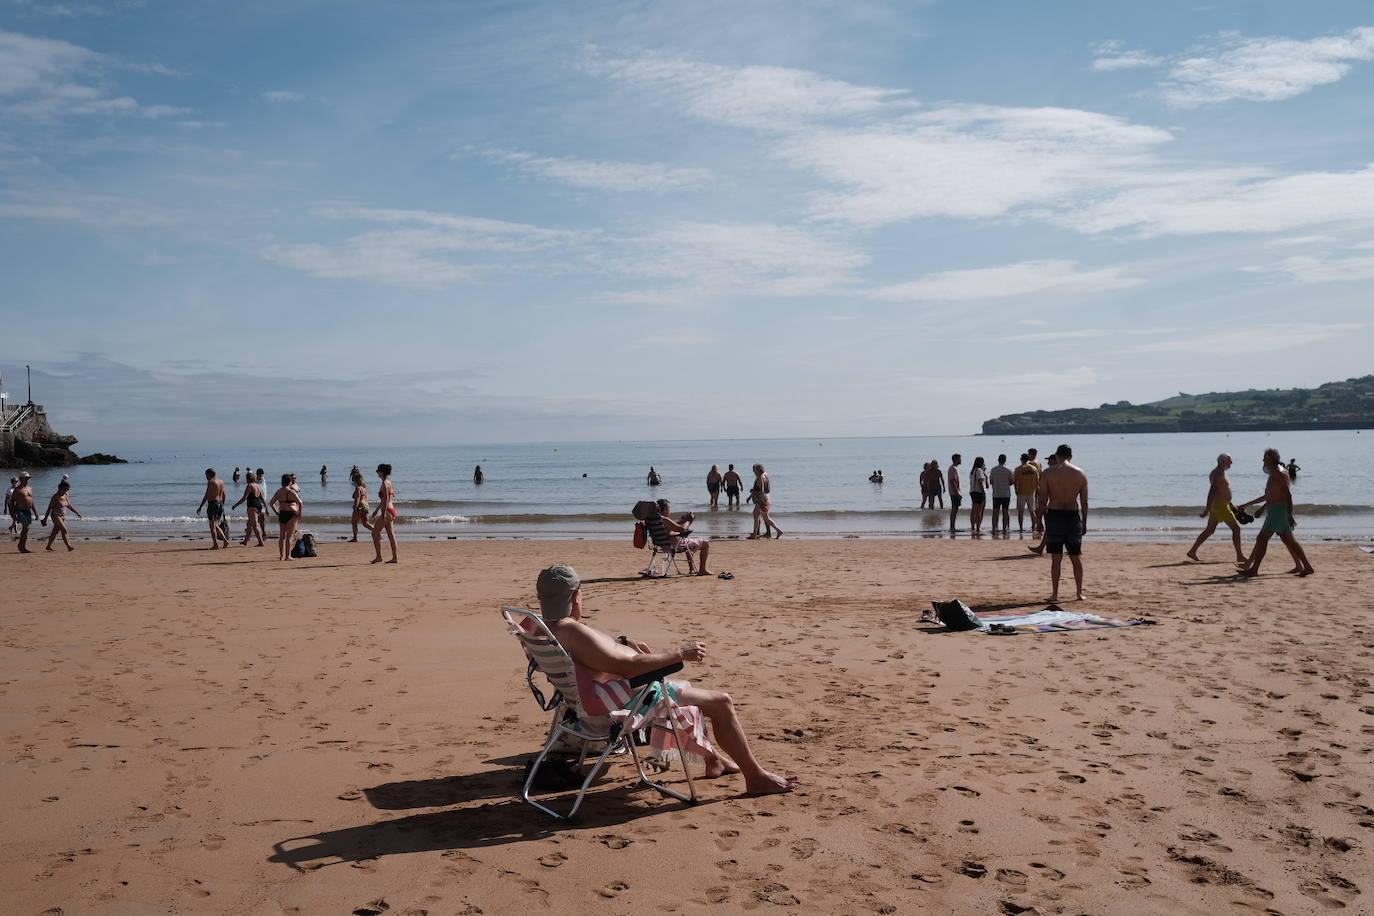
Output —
(1321, 269)
(1114, 55)
(736, 260)
(46, 78)
(92, 210)
(1236, 200)
(283, 95)
(426, 251)
(608, 175)
(1019, 279)
(1265, 69)
(755, 96)
(1262, 339)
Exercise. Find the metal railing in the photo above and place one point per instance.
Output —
(14, 420)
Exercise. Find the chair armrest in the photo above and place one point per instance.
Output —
(648, 677)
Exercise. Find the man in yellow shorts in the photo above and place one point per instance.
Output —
(1220, 510)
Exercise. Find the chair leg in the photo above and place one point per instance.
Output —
(672, 793)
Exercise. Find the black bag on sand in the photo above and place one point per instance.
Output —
(955, 615)
(308, 542)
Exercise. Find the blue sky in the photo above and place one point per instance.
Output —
(448, 222)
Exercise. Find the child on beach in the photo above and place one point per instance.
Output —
(57, 511)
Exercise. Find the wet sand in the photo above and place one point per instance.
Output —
(188, 731)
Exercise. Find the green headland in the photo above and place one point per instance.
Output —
(1335, 405)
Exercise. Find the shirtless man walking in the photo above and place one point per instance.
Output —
(24, 509)
(1062, 508)
(1219, 509)
(213, 504)
(1278, 519)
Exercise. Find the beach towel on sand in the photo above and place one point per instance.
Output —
(1052, 619)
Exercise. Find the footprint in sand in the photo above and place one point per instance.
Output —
(717, 894)
(611, 841)
(612, 890)
(804, 848)
(1011, 876)
(552, 860)
(1047, 872)
(375, 908)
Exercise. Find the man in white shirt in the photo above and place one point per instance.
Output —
(1000, 477)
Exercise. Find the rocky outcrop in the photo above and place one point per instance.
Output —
(100, 458)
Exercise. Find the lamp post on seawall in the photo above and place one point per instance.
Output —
(28, 372)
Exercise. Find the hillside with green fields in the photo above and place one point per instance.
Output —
(1335, 405)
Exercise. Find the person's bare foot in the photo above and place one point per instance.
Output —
(719, 766)
(1194, 557)
(71, 548)
(352, 540)
(1053, 599)
(705, 572)
(1080, 597)
(770, 784)
(1248, 573)
(49, 547)
(393, 561)
(1309, 571)
(378, 560)
(753, 537)
(1243, 564)
(1296, 570)
(25, 550)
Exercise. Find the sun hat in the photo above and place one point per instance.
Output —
(556, 587)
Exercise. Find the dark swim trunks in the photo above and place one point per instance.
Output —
(1001, 502)
(955, 499)
(732, 492)
(23, 516)
(1063, 531)
(214, 510)
(977, 497)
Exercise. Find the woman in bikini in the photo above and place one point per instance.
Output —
(257, 511)
(57, 511)
(359, 505)
(286, 502)
(384, 514)
(759, 496)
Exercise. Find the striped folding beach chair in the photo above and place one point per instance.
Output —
(649, 706)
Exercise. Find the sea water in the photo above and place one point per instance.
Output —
(1142, 486)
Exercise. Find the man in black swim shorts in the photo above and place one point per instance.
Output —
(733, 483)
(1062, 501)
(213, 504)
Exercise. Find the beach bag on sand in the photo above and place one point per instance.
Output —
(307, 543)
(641, 535)
(955, 615)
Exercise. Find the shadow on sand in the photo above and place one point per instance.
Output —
(493, 824)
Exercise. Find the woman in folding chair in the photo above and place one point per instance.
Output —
(610, 662)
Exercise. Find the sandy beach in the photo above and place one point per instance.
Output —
(188, 731)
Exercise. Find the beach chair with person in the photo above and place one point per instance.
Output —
(646, 705)
(665, 547)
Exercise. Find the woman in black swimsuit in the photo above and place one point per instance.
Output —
(286, 502)
(257, 511)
